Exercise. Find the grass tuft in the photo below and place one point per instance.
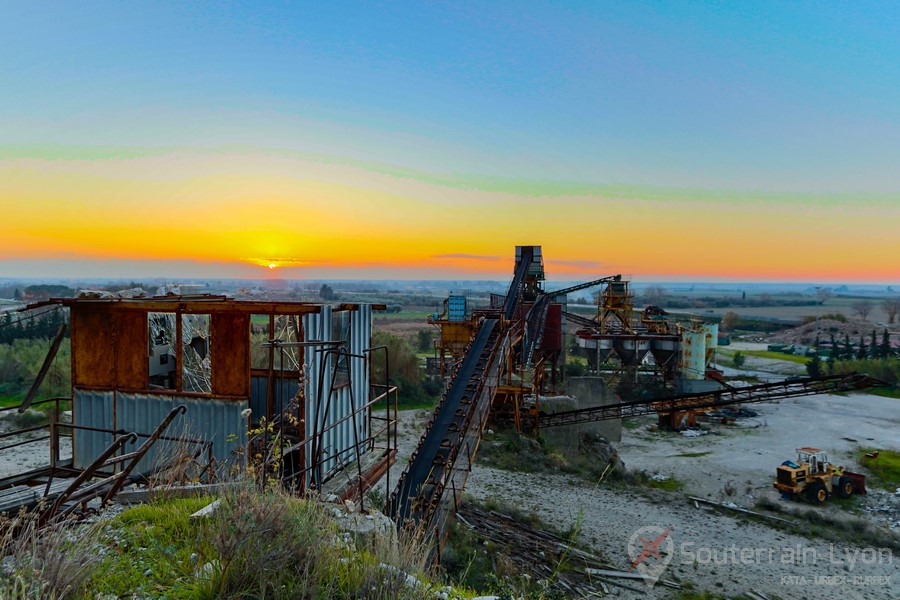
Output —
(884, 471)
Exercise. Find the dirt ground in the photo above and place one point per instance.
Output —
(732, 463)
(28, 456)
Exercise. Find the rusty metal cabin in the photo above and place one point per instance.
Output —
(134, 360)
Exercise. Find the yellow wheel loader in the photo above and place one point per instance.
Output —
(814, 478)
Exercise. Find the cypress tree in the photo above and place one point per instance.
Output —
(885, 349)
(814, 367)
(861, 352)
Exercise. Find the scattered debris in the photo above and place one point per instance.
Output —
(207, 510)
(735, 507)
(692, 433)
(629, 575)
(537, 552)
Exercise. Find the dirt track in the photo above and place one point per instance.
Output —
(743, 457)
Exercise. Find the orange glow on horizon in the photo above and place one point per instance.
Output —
(215, 209)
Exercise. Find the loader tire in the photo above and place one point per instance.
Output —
(844, 487)
(816, 493)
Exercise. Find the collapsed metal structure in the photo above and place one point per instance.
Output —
(183, 376)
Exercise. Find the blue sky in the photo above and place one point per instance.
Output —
(799, 97)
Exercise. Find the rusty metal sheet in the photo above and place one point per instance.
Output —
(93, 339)
(230, 350)
(130, 350)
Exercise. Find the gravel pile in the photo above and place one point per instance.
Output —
(805, 335)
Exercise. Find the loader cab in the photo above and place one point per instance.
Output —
(817, 459)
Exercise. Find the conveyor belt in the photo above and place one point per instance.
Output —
(755, 393)
(434, 447)
(578, 319)
(422, 486)
(584, 286)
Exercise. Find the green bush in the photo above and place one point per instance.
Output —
(886, 369)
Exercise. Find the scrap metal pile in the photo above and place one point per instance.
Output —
(549, 558)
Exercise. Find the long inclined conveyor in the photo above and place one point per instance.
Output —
(429, 489)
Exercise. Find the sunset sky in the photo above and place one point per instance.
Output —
(674, 141)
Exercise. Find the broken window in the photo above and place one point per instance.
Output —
(196, 364)
(162, 347)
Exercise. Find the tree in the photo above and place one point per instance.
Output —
(861, 352)
(892, 308)
(873, 349)
(17, 295)
(823, 294)
(424, 340)
(326, 292)
(739, 359)
(814, 366)
(862, 308)
(655, 295)
(403, 359)
(729, 320)
(847, 353)
(884, 351)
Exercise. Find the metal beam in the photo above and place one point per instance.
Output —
(756, 393)
(48, 360)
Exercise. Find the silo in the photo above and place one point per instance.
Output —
(631, 349)
(664, 350)
(711, 332)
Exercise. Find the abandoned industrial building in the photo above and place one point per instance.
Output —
(162, 380)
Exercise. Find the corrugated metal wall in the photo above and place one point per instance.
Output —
(220, 421)
(91, 408)
(337, 443)
(284, 393)
(209, 419)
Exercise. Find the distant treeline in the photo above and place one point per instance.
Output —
(21, 326)
(32, 293)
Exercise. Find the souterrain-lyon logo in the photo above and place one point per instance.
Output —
(651, 549)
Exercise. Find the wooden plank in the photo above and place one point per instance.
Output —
(48, 360)
(131, 348)
(92, 347)
(230, 354)
(742, 510)
(195, 305)
(207, 510)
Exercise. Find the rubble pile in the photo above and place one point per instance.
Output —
(805, 335)
(884, 508)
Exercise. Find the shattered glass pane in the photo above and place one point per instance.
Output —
(161, 351)
(196, 366)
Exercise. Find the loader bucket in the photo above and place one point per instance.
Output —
(859, 482)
